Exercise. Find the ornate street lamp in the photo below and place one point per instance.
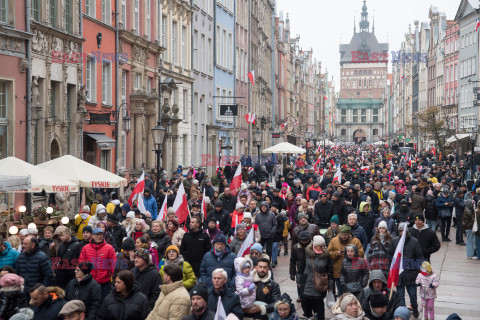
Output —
(257, 137)
(158, 134)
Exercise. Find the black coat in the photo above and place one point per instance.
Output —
(279, 203)
(340, 209)
(88, 290)
(427, 239)
(149, 282)
(206, 315)
(229, 203)
(230, 300)
(117, 233)
(195, 244)
(369, 314)
(49, 310)
(34, 267)
(431, 212)
(65, 262)
(354, 274)
(10, 302)
(322, 214)
(278, 233)
(223, 217)
(366, 220)
(268, 291)
(162, 240)
(134, 307)
(297, 260)
(412, 259)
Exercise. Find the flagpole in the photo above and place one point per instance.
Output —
(391, 291)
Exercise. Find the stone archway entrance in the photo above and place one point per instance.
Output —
(54, 150)
(359, 136)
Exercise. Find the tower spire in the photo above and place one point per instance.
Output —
(364, 23)
(354, 25)
(373, 26)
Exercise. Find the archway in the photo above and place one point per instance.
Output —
(54, 150)
(359, 136)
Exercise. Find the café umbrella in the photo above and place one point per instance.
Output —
(40, 179)
(83, 173)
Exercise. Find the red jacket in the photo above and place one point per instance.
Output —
(103, 257)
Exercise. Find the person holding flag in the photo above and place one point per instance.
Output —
(406, 262)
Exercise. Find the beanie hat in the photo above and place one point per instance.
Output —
(345, 300)
(344, 229)
(239, 226)
(172, 247)
(86, 209)
(88, 229)
(304, 236)
(420, 217)
(131, 214)
(10, 280)
(247, 215)
(402, 312)
(337, 194)
(144, 254)
(112, 218)
(200, 290)
(218, 203)
(243, 187)
(126, 207)
(128, 244)
(219, 238)
(335, 219)
(378, 300)
(257, 246)
(100, 208)
(86, 267)
(368, 185)
(239, 205)
(318, 241)
(301, 215)
(383, 224)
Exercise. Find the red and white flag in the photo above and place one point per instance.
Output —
(247, 244)
(391, 171)
(283, 125)
(433, 151)
(317, 163)
(338, 174)
(220, 314)
(396, 268)
(138, 190)
(325, 97)
(295, 123)
(180, 206)
(236, 180)
(204, 205)
(251, 77)
(250, 117)
(477, 25)
(162, 214)
(140, 205)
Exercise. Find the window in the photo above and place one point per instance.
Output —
(375, 115)
(218, 45)
(364, 116)
(473, 66)
(185, 105)
(106, 83)
(124, 13)
(344, 132)
(370, 83)
(359, 83)
(360, 72)
(184, 47)
(174, 42)
(210, 56)
(90, 78)
(147, 20)
(136, 18)
(90, 8)
(124, 86)
(53, 97)
(369, 71)
(149, 84)
(105, 160)
(137, 81)
(343, 114)
(225, 48)
(196, 52)
(164, 34)
(35, 9)
(4, 11)
(202, 51)
(375, 132)
(68, 16)
(53, 13)
(106, 12)
(355, 116)
(230, 51)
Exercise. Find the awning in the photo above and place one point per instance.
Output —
(13, 183)
(284, 147)
(458, 137)
(103, 142)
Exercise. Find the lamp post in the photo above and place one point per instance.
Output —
(158, 134)
(257, 136)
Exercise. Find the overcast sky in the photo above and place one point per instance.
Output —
(324, 24)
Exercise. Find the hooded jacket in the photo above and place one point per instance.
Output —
(412, 259)
(366, 220)
(211, 262)
(149, 281)
(354, 273)
(222, 216)
(162, 240)
(150, 204)
(427, 239)
(195, 244)
(335, 246)
(266, 221)
(103, 257)
(87, 290)
(393, 303)
(9, 256)
(360, 234)
(322, 213)
(267, 291)
(243, 282)
(114, 307)
(310, 227)
(11, 300)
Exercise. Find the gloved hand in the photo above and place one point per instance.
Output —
(419, 284)
(251, 287)
(432, 286)
(292, 277)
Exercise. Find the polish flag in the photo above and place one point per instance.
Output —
(247, 244)
(204, 205)
(315, 165)
(391, 171)
(180, 206)
(396, 268)
(433, 151)
(325, 97)
(236, 180)
(251, 77)
(283, 125)
(138, 190)
(163, 209)
(140, 205)
(477, 25)
(250, 117)
(338, 174)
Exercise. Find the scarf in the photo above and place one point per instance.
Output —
(170, 232)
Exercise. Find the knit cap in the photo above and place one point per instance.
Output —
(200, 290)
(144, 254)
(402, 312)
(378, 300)
(10, 280)
(257, 246)
(172, 247)
(344, 229)
(335, 219)
(318, 241)
(383, 224)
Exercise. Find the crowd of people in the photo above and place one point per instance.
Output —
(339, 213)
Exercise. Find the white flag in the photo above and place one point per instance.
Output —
(140, 205)
(220, 314)
(249, 241)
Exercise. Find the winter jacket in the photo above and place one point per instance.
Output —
(133, 307)
(280, 227)
(440, 203)
(426, 283)
(459, 205)
(354, 274)
(266, 222)
(312, 193)
(297, 260)
(189, 278)
(391, 226)
(279, 203)
(335, 245)
(322, 265)
(366, 220)
(243, 282)
(211, 262)
(87, 290)
(322, 214)
(172, 304)
(230, 301)
(418, 203)
(402, 214)
(195, 245)
(427, 239)
(236, 243)
(431, 212)
(468, 217)
(412, 259)
(268, 291)
(340, 209)
(49, 309)
(117, 233)
(360, 234)
(369, 312)
(229, 202)
(393, 303)
(310, 227)
(103, 257)
(162, 240)
(44, 245)
(9, 256)
(379, 254)
(34, 267)
(223, 218)
(65, 261)
(11, 301)
(209, 191)
(149, 281)
(150, 204)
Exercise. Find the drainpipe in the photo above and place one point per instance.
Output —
(191, 86)
(274, 50)
(80, 8)
(29, 85)
(117, 109)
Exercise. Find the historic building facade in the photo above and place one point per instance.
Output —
(363, 74)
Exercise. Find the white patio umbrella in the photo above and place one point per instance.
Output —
(284, 147)
(13, 183)
(40, 179)
(83, 173)
(325, 142)
(378, 143)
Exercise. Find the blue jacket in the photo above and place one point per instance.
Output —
(361, 235)
(35, 267)
(459, 205)
(211, 262)
(441, 200)
(150, 204)
(9, 256)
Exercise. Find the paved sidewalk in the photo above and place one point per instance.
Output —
(459, 290)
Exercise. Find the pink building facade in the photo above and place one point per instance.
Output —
(450, 106)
